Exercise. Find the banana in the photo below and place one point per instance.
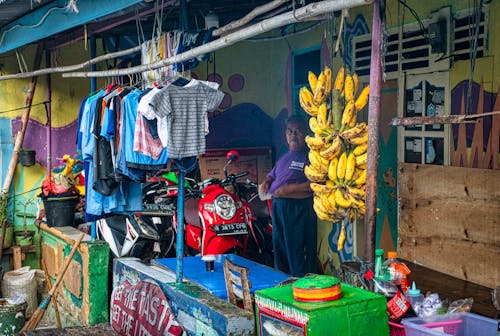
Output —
(333, 149)
(362, 98)
(359, 140)
(341, 200)
(317, 161)
(355, 131)
(332, 169)
(341, 240)
(322, 110)
(328, 80)
(312, 79)
(361, 179)
(353, 120)
(316, 127)
(329, 207)
(331, 201)
(314, 175)
(358, 150)
(349, 88)
(320, 211)
(320, 90)
(361, 159)
(316, 141)
(349, 112)
(355, 80)
(341, 167)
(357, 193)
(350, 167)
(339, 80)
(319, 188)
(306, 102)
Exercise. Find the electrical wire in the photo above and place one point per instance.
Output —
(39, 23)
(414, 13)
(24, 107)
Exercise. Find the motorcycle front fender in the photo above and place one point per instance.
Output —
(222, 244)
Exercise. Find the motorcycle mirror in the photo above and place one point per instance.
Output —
(233, 156)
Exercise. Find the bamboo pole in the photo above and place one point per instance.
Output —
(304, 13)
(24, 123)
(247, 18)
(451, 119)
(72, 67)
(373, 135)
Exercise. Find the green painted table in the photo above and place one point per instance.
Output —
(358, 312)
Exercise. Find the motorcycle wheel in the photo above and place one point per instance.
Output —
(261, 250)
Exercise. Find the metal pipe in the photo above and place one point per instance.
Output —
(373, 135)
(180, 227)
(48, 108)
(93, 81)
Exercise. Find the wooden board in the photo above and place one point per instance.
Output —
(449, 220)
(73, 279)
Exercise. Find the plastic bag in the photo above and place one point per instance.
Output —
(461, 306)
(21, 282)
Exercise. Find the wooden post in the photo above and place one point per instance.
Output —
(17, 257)
(24, 119)
(373, 135)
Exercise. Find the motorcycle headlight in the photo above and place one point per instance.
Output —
(225, 206)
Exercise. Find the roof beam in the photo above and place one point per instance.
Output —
(54, 18)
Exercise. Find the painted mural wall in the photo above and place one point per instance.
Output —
(256, 77)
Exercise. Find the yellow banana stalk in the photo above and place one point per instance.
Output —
(306, 101)
(341, 240)
(362, 98)
(339, 80)
(313, 80)
(358, 150)
(341, 200)
(332, 169)
(320, 90)
(361, 159)
(341, 167)
(350, 167)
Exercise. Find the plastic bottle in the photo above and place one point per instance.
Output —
(415, 298)
(398, 271)
(380, 268)
(398, 306)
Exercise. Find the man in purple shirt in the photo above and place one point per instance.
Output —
(294, 220)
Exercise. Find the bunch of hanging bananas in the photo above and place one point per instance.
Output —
(338, 147)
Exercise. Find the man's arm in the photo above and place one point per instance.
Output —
(294, 190)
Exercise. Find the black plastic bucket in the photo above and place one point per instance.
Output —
(60, 211)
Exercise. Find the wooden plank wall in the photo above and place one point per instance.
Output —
(449, 220)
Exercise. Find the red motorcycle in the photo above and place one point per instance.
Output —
(218, 214)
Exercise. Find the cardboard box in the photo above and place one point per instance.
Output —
(257, 161)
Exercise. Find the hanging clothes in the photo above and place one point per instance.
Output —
(184, 109)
